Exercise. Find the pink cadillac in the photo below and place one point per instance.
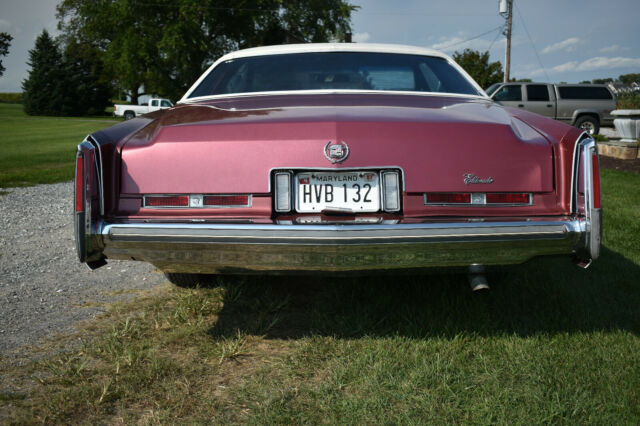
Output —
(336, 157)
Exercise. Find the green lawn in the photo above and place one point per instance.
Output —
(550, 343)
(40, 149)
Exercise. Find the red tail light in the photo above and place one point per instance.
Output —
(167, 201)
(448, 198)
(516, 198)
(79, 183)
(596, 180)
(226, 200)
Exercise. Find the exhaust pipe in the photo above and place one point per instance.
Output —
(477, 279)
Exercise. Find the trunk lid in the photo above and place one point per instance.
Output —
(446, 144)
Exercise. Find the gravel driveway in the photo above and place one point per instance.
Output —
(43, 287)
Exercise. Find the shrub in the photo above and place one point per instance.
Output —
(10, 98)
(629, 101)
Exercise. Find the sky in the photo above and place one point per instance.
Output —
(552, 41)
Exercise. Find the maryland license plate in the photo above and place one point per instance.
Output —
(357, 191)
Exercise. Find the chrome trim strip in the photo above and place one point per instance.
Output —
(337, 234)
(589, 248)
(99, 171)
(573, 206)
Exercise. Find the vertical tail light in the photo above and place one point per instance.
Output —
(79, 182)
(595, 170)
(283, 192)
(391, 191)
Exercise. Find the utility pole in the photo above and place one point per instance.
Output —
(506, 10)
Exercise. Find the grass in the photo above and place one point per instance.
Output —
(551, 343)
(40, 149)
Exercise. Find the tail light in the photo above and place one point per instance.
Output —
(479, 198)
(517, 198)
(447, 198)
(226, 200)
(79, 182)
(167, 201)
(196, 201)
(595, 170)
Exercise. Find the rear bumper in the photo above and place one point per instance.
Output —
(227, 248)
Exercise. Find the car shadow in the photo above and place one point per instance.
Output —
(545, 295)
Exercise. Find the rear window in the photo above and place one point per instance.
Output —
(334, 71)
(537, 92)
(584, 92)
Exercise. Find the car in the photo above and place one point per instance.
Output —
(586, 106)
(336, 158)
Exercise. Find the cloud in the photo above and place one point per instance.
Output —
(567, 45)
(361, 37)
(592, 64)
(610, 49)
(460, 42)
(5, 25)
(601, 63)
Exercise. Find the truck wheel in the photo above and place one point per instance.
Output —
(589, 124)
(128, 115)
(189, 280)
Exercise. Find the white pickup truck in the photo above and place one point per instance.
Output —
(131, 111)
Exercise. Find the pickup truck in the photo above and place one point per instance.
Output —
(587, 106)
(131, 111)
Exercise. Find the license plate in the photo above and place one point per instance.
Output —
(357, 191)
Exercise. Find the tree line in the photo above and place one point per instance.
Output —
(160, 47)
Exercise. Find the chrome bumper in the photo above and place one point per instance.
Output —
(229, 248)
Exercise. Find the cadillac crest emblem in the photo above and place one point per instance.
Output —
(336, 152)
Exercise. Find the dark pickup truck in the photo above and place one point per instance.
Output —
(587, 106)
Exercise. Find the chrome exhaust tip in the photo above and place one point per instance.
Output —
(477, 279)
(478, 283)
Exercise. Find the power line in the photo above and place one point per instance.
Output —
(533, 45)
(469, 39)
(494, 40)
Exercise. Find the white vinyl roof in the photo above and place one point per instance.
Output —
(332, 47)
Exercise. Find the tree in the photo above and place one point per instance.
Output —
(478, 66)
(91, 87)
(601, 80)
(629, 78)
(44, 87)
(165, 45)
(61, 84)
(5, 42)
